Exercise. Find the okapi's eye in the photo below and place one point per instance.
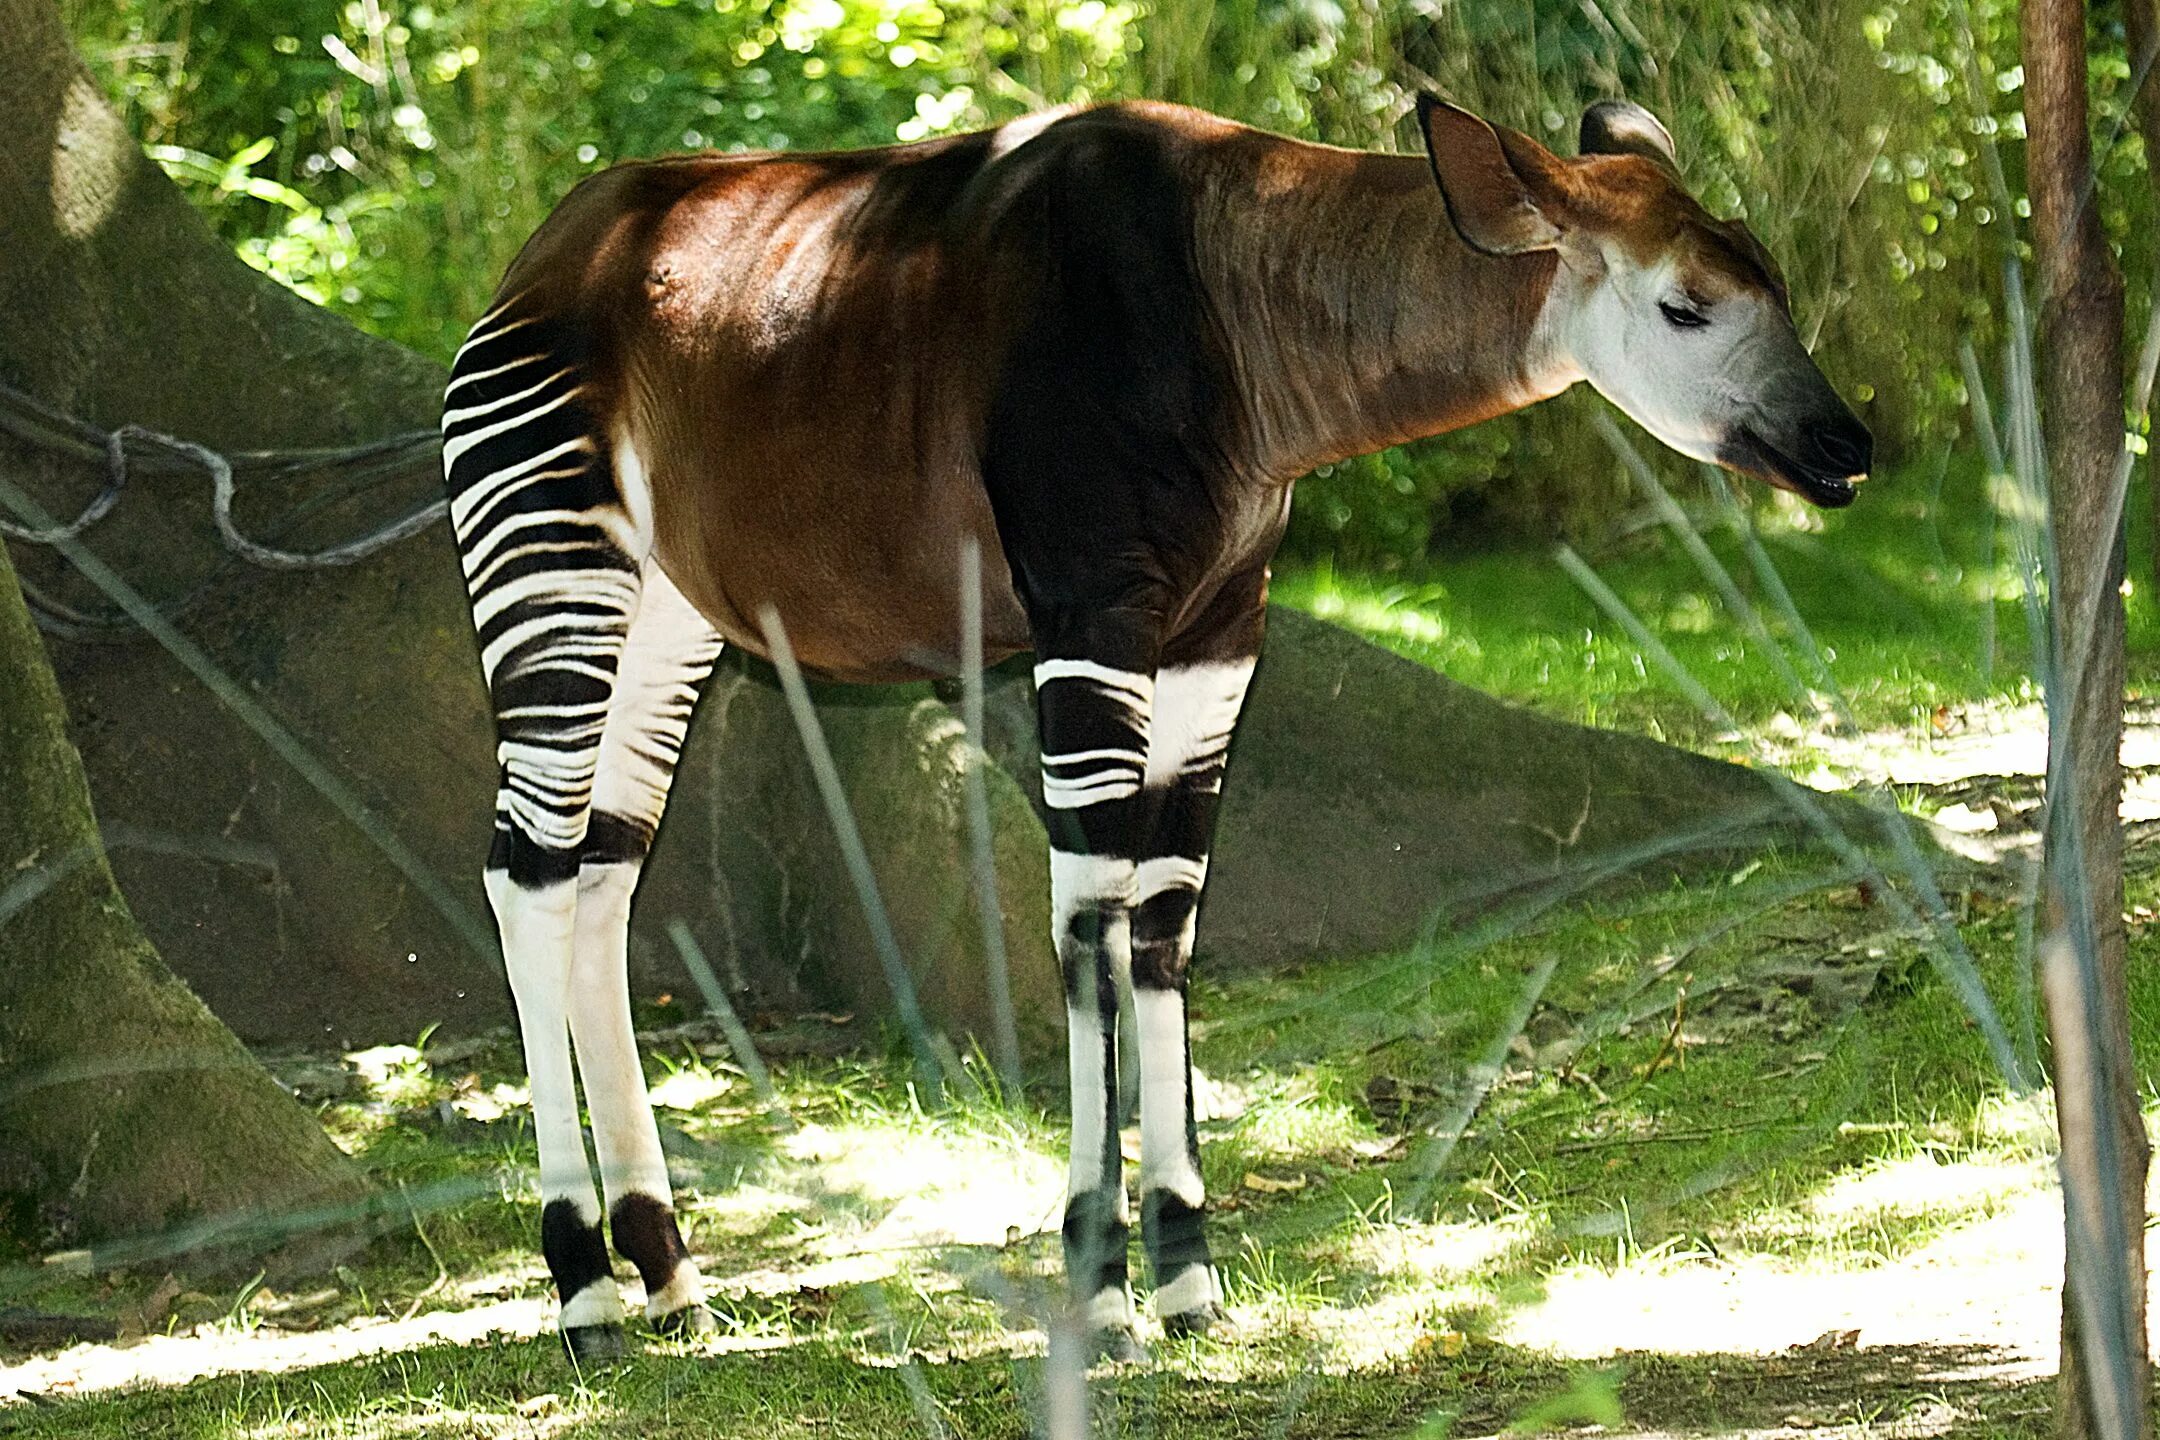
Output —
(1681, 316)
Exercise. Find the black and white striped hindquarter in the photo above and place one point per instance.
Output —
(593, 660)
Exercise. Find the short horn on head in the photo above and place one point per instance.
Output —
(1621, 127)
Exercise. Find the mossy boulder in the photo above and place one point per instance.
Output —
(1371, 801)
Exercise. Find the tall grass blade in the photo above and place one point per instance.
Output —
(731, 1025)
(1483, 1075)
(1954, 966)
(989, 907)
(1683, 529)
(928, 1072)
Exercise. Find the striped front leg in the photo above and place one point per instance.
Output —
(1195, 713)
(1094, 723)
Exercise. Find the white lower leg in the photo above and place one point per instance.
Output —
(537, 927)
(1097, 1213)
(1173, 1197)
(633, 1168)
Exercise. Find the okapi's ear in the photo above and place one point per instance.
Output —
(1621, 127)
(1492, 206)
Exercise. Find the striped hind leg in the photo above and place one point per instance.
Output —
(547, 542)
(671, 650)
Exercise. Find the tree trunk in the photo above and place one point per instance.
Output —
(2081, 333)
(125, 1107)
(2141, 33)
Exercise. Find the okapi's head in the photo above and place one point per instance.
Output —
(1678, 318)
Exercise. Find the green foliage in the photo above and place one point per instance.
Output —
(1847, 133)
(387, 157)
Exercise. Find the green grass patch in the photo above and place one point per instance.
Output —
(1898, 592)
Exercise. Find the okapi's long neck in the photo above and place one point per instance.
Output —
(1356, 318)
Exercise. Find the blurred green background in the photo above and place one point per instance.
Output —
(387, 158)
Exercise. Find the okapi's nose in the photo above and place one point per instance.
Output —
(1842, 445)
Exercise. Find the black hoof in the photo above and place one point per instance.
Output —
(1119, 1347)
(1190, 1324)
(691, 1322)
(595, 1344)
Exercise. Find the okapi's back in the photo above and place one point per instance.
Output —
(803, 360)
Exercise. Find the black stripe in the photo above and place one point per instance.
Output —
(613, 840)
(646, 1235)
(576, 1255)
(1095, 1240)
(1176, 1234)
(1159, 956)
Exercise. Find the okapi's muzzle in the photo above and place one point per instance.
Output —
(1822, 461)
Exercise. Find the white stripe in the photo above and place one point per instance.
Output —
(1094, 790)
(687, 1288)
(1111, 1309)
(599, 1303)
(477, 496)
(480, 334)
(586, 588)
(455, 417)
(537, 357)
(1076, 757)
(453, 447)
(1136, 685)
(1195, 713)
(1165, 1081)
(1077, 880)
(1164, 872)
(514, 638)
(1194, 1288)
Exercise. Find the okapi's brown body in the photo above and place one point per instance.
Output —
(720, 394)
(805, 351)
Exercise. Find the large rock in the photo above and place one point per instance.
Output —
(1370, 802)
(749, 858)
(1368, 797)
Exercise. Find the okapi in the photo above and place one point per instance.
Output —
(1100, 344)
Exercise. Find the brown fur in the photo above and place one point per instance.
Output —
(802, 349)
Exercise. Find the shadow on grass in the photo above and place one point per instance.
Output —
(823, 1388)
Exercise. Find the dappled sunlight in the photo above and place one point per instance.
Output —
(926, 1189)
(1404, 613)
(1438, 1252)
(538, 1418)
(1916, 1187)
(216, 1350)
(93, 159)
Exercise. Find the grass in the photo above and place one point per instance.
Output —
(1893, 589)
(1788, 1130)
(1747, 1104)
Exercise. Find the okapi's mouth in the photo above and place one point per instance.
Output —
(1823, 486)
